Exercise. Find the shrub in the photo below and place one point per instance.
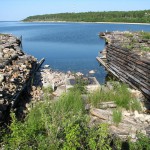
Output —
(98, 138)
(142, 143)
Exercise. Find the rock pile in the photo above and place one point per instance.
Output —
(138, 42)
(131, 124)
(15, 70)
(48, 78)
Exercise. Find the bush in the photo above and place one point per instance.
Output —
(142, 143)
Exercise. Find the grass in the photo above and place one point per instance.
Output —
(47, 93)
(128, 35)
(58, 125)
(47, 90)
(101, 95)
(120, 95)
(142, 143)
(145, 35)
(117, 116)
(80, 84)
(146, 49)
(64, 125)
(70, 102)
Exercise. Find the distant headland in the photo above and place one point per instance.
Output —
(141, 16)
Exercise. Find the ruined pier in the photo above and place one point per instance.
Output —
(127, 56)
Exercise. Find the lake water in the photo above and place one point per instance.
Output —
(66, 46)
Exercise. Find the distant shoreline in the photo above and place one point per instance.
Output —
(89, 22)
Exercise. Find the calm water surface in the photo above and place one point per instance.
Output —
(66, 46)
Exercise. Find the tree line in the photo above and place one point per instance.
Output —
(142, 16)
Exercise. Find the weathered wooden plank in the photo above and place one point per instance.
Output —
(127, 62)
(132, 55)
(129, 57)
(131, 76)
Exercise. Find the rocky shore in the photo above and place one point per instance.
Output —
(22, 81)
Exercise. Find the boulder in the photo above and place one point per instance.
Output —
(101, 114)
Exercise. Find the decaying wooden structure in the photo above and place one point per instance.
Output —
(129, 64)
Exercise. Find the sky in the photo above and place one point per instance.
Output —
(15, 10)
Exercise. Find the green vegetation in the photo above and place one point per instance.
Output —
(47, 90)
(117, 116)
(145, 35)
(120, 95)
(64, 124)
(101, 96)
(111, 16)
(146, 49)
(47, 93)
(80, 84)
(137, 41)
(58, 125)
(141, 144)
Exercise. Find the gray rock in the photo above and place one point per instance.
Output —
(1, 78)
(87, 107)
(101, 114)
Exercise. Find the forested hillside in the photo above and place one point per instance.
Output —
(111, 16)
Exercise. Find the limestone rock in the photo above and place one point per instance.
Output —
(100, 113)
(1, 78)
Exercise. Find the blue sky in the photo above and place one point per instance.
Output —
(19, 9)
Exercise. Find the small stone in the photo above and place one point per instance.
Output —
(126, 113)
(110, 86)
(46, 66)
(143, 132)
(87, 107)
(1, 55)
(142, 119)
(147, 118)
(33, 88)
(136, 114)
(133, 136)
(1, 78)
(1, 101)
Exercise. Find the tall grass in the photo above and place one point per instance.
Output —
(117, 116)
(44, 123)
(101, 96)
(62, 124)
(120, 95)
(69, 102)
